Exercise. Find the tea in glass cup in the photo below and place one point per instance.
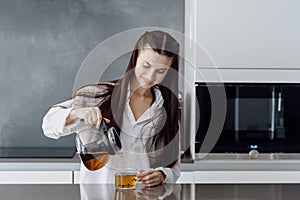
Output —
(125, 178)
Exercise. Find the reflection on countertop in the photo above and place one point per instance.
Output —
(108, 191)
(165, 191)
(252, 191)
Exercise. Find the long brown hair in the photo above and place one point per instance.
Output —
(164, 44)
(163, 147)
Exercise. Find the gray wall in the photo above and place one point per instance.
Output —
(43, 43)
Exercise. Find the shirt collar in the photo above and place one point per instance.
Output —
(158, 102)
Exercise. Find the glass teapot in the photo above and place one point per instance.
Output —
(96, 146)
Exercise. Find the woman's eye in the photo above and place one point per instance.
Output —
(161, 71)
(146, 66)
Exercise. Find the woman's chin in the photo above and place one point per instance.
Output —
(146, 86)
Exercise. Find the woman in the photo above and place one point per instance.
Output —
(142, 106)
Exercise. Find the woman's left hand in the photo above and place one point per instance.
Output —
(151, 177)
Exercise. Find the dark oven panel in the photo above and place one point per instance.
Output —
(262, 116)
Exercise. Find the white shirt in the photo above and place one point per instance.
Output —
(133, 136)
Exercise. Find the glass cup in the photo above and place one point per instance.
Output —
(125, 179)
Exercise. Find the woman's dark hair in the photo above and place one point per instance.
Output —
(164, 145)
(164, 44)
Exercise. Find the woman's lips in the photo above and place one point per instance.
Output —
(148, 82)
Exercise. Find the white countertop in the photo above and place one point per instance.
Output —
(73, 164)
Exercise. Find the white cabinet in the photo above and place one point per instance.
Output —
(198, 177)
(245, 34)
(257, 35)
(36, 177)
(76, 177)
(245, 177)
(186, 177)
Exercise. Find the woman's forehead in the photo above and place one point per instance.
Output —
(154, 58)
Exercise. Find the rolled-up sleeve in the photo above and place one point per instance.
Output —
(172, 174)
(55, 119)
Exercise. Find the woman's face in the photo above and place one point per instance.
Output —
(151, 67)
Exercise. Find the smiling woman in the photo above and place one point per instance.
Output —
(146, 76)
(151, 67)
(142, 106)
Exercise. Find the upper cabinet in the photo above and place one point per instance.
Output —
(251, 34)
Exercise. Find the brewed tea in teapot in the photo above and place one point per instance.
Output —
(96, 146)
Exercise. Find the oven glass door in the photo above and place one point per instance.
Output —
(262, 116)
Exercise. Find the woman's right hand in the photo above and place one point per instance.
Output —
(90, 115)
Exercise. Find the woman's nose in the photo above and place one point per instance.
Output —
(150, 76)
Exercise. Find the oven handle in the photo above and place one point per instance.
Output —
(273, 115)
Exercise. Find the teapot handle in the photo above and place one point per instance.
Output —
(103, 127)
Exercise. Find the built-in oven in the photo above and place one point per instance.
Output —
(259, 116)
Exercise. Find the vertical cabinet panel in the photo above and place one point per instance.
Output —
(76, 177)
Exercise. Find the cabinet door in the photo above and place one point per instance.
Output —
(246, 34)
(186, 177)
(36, 177)
(234, 177)
(76, 177)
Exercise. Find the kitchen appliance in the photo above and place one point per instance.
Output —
(259, 116)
